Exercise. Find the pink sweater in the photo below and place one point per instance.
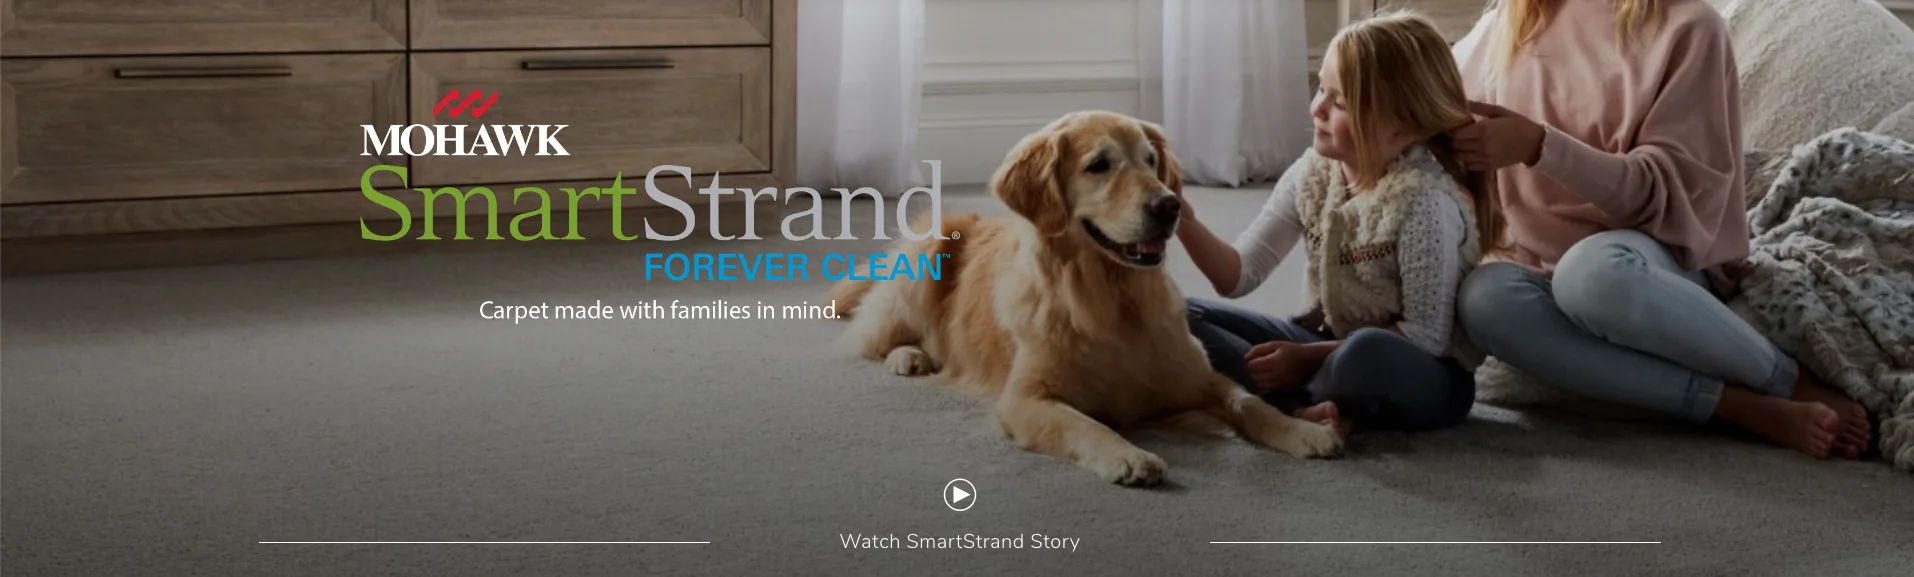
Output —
(1648, 141)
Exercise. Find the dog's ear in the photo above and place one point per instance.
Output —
(1167, 169)
(1028, 182)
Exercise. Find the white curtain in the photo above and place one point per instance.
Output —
(1235, 88)
(860, 90)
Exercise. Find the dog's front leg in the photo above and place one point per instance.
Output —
(1268, 426)
(1049, 426)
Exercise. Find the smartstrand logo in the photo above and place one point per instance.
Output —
(536, 206)
(452, 139)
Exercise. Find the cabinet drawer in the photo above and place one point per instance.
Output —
(117, 128)
(708, 109)
(120, 27)
(441, 24)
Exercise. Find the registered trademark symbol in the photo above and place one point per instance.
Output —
(956, 235)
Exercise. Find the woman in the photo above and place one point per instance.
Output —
(1393, 222)
(1614, 127)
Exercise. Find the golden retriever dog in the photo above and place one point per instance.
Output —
(1063, 317)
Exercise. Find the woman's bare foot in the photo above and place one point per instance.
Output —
(1326, 413)
(1853, 438)
(1808, 427)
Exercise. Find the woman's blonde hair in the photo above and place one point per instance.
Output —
(1397, 73)
(1521, 20)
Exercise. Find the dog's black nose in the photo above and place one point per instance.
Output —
(1165, 209)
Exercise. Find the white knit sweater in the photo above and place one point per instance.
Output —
(1429, 231)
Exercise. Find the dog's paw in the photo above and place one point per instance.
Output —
(910, 362)
(1132, 468)
(1311, 440)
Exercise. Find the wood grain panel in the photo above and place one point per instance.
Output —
(118, 217)
(118, 128)
(465, 24)
(784, 93)
(710, 110)
(121, 27)
(182, 132)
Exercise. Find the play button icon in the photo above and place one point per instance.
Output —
(959, 495)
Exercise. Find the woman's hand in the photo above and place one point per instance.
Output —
(1282, 366)
(1501, 138)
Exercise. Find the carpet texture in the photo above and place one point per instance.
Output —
(164, 422)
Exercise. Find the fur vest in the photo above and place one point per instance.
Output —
(1354, 279)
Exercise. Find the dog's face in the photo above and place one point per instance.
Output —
(1099, 179)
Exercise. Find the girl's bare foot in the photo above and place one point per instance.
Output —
(1808, 427)
(1326, 413)
(1852, 439)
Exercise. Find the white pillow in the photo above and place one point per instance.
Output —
(1811, 66)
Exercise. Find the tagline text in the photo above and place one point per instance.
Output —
(675, 309)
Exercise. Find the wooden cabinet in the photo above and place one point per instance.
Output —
(707, 109)
(443, 24)
(100, 27)
(87, 129)
(123, 118)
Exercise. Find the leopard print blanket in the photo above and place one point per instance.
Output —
(1831, 277)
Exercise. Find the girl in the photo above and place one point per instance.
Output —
(1625, 202)
(1392, 222)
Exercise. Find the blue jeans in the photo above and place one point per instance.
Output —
(1621, 322)
(1377, 378)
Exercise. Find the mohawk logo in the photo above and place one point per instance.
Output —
(453, 95)
(451, 140)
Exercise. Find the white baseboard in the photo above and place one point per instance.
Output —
(1315, 64)
(973, 112)
(997, 70)
(971, 151)
(970, 125)
(984, 91)
(1025, 86)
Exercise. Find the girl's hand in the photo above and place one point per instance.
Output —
(1189, 210)
(1281, 366)
(1501, 138)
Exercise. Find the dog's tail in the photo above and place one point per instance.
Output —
(846, 294)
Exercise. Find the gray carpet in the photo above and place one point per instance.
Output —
(164, 422)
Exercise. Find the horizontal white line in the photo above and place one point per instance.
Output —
(1435, 542)
(484, 542)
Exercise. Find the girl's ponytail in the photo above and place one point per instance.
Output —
(1396, 70)
(1491, 229)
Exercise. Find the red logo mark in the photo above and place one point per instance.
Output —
(470, 98)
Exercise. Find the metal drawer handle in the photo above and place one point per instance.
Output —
(226, 72)
(594, 64)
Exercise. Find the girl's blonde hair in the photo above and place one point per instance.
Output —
(1521, 20)
(1397, 72)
